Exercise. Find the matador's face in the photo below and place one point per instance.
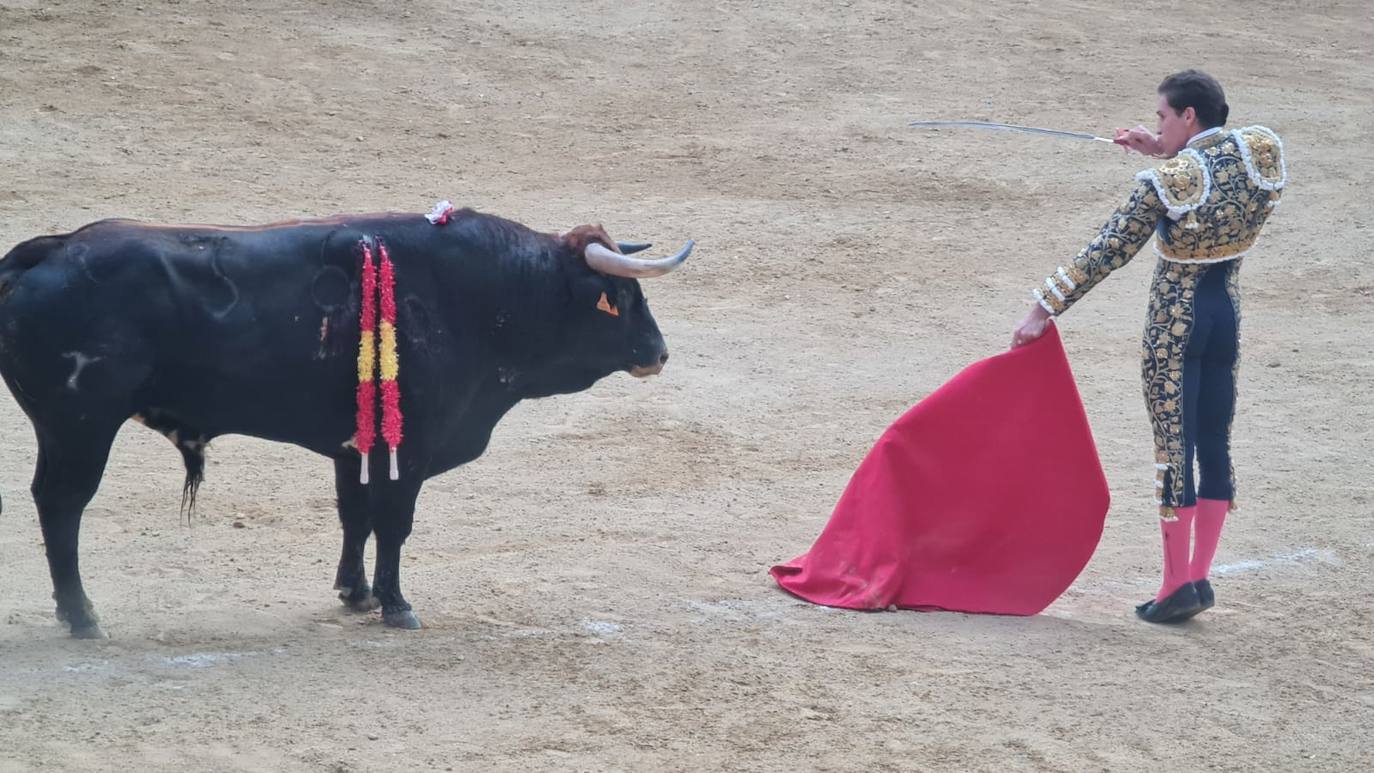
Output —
(1175, 128)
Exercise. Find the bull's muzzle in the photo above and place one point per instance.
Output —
(645, 371)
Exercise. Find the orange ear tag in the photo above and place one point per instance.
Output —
(605, 305)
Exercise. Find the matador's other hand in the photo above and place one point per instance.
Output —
(1031, 327)
(1139, 139)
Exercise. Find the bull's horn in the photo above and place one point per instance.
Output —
(630, 248)
(604, 260)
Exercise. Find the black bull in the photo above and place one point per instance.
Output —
(201, 331)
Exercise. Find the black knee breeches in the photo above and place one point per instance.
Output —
(1190, 352)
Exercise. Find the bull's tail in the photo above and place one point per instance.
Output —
(194, 457)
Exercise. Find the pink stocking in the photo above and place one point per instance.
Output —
(1176, 538)
(1211, 513)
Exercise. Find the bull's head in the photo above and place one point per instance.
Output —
(610, 316)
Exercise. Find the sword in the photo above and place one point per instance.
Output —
(1013, 128)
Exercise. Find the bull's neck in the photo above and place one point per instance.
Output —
(517, 308)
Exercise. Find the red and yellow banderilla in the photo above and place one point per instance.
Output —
(370, 331)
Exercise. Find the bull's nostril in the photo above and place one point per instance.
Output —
(663, 359)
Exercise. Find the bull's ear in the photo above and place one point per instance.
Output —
(593, 294)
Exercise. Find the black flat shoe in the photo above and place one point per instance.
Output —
(1177, 607)
(1206, 600)
(1205, 594)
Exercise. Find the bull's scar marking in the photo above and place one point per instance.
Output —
(81, 362)
(81, 253)
(330, 289)
(233, 290)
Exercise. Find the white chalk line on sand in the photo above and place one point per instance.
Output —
(1303, 556)
(1280, 562)
(189, 660)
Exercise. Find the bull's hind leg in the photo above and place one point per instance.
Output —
(392, 517)
(69, 469)
(356, 518)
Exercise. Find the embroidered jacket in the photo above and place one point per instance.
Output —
(1205, 205)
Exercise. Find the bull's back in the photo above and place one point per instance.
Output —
(243, 330)
(182, 287)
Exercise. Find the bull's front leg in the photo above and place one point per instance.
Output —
(392, 516)
(356, 518)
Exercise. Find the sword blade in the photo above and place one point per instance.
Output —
(1010, 127)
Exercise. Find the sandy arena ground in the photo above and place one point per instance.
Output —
(594, 587)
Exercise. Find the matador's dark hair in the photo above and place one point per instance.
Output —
(1200, 91)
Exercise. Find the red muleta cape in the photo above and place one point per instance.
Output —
(988, 496)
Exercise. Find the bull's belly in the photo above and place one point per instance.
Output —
(316, 414)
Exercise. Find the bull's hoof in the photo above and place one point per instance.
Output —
(91, 631)
(359, 601)
(84, 624)
(401, 618)
(364, 604)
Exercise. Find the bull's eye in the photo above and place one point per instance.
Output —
(604, 305)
